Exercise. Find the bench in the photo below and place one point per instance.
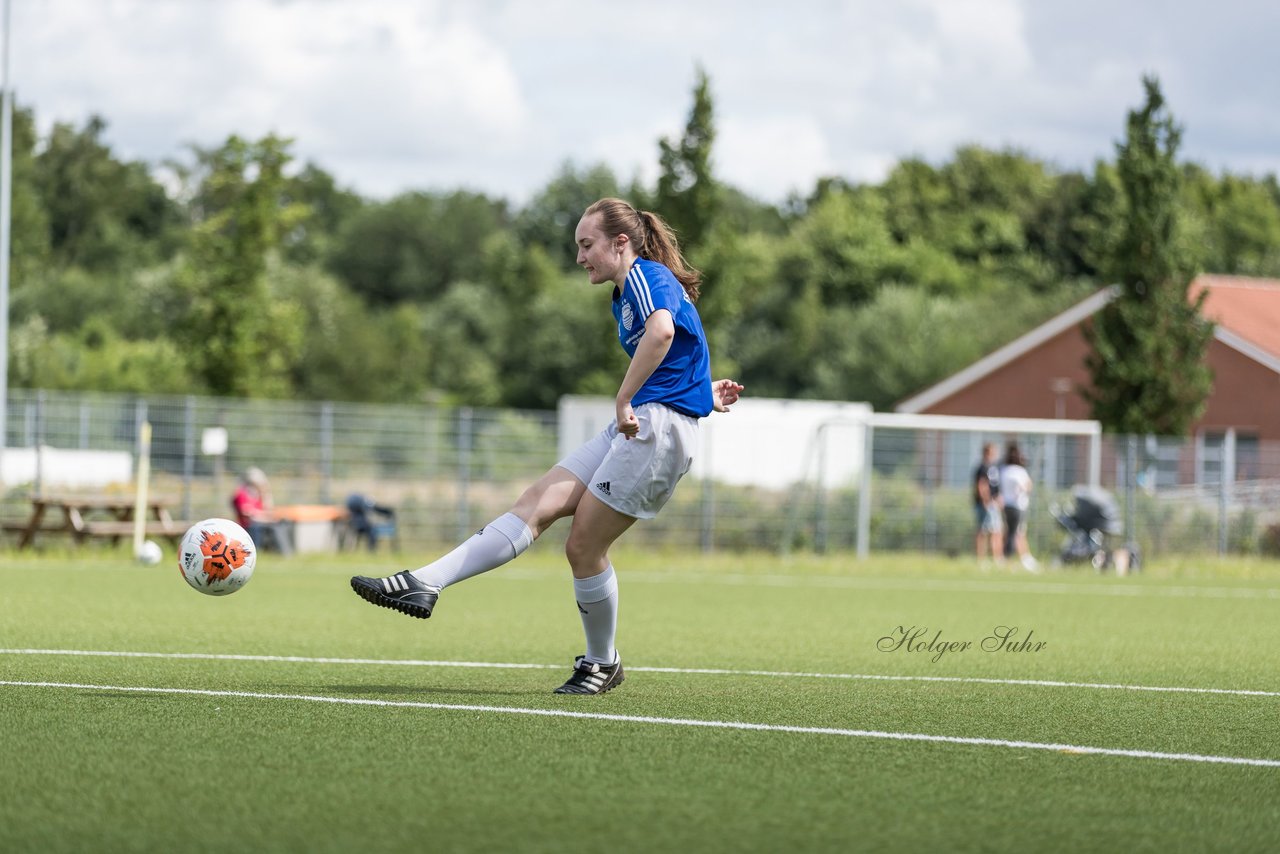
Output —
(65, 514)
(21, 525)
(172, 529)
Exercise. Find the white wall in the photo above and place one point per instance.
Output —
(761, 442)
(65, 468)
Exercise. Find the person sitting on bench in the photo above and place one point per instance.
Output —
(252, 503)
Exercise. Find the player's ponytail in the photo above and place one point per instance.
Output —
(660, 245)
(653, 238)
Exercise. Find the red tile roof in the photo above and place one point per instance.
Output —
(1246, 311)
(1246, 306)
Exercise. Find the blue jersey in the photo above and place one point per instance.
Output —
(683, 380)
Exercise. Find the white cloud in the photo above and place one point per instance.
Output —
(986, 35)
(774, 155)
(495, 94)
(407, 86)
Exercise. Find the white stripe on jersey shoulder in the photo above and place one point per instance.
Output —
(641, 287)
(634, 278)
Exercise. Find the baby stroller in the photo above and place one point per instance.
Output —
(1090, 520)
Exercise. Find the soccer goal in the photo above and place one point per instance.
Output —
(935, 456)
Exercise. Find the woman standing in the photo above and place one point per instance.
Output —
(1015, 491)
(630, 469)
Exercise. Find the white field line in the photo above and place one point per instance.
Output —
(682, 722)
(696, 671)
(1028, 587)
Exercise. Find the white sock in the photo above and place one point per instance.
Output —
(598, 604)
(503, 539)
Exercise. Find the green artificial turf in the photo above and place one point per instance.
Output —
(112, 769)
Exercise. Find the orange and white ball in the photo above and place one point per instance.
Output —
(217, 557)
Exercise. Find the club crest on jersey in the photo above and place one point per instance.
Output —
(628, 316)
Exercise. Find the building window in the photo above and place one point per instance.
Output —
(1210, 453)
(1162, 466)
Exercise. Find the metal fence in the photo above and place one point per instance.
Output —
(443, 468)
(1216, 493)
(448, 469)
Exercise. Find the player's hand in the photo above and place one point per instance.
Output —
(725, 393)
(628, 425)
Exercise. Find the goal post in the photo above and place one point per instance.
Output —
(979, 428)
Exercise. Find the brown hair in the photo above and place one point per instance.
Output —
(653, 238)
(1013, 457)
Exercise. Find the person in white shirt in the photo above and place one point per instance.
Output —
(1015, 491)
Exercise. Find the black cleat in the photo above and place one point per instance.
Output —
(401, 592)
(589, 678)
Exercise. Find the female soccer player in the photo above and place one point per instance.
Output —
(630, 469)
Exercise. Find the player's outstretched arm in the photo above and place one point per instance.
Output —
(725, 393)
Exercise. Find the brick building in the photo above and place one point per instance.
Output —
(1040, 374)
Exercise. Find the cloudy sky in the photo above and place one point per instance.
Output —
(390, 95)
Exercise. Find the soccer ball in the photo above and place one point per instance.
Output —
(149, 554)
(217, 557)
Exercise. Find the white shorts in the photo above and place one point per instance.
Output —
(636, 476)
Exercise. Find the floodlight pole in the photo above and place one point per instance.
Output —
(6, 195)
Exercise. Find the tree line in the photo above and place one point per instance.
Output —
(234, 270)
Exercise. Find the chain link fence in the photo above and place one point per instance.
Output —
(448, 469)
(1216, 493)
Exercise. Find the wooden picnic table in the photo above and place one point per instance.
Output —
(86, 516)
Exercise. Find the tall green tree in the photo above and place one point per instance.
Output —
(1237, 222)
(350, 351)
(687, 195)
(328, 208)
(414, 246)
(103, 213)
(1147, 364)
(548, 220)
(29, 221)
(241, 341)
(981, 208)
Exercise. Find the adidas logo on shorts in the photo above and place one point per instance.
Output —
(603, 486)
